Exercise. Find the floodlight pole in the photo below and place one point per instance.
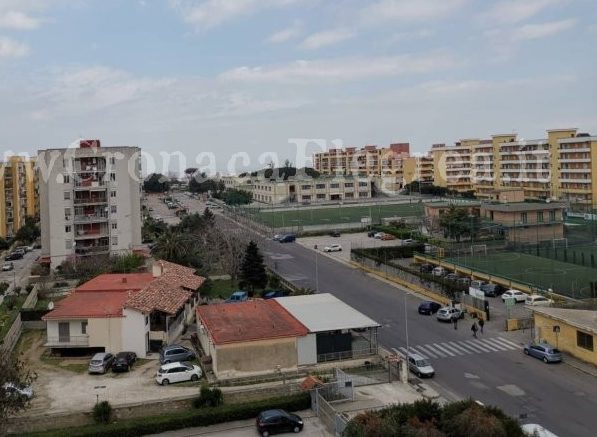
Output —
(406, 327)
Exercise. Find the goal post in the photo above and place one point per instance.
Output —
(478, 249)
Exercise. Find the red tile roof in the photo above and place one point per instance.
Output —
(249, 321)
(89, 305)
(117, 282)
(161, 295)
(184, 276)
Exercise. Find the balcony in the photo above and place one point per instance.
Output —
(575, 170)
(575, 160)
(574, 150)
(67, 341)
(91, 218)
(91, 250)
(90, 201)
(91, 232)
(575, 181)
(90, 185)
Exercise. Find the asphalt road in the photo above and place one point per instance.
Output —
(21, 271)
(557, 396)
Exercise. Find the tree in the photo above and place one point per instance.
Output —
(234, 196)
(29, 231)
(253, 274)
(456, 223)
(208, 217)
(13, 372)
(177, 247)
(156, 183)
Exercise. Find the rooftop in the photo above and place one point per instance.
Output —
(582, 319)
(325, 312)
(249, 321)
(522, 206)
(450, 204)
(161, 295)
(116, 282)
(89, 305)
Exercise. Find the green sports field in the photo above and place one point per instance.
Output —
(304, 216)
(563, 278)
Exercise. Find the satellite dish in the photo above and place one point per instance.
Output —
(50, 305)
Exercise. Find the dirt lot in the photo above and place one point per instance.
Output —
(63, 385)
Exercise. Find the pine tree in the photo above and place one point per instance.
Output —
(253, 274)
(208, 217)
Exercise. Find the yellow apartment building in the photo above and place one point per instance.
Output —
(418, 168)
(19, 193)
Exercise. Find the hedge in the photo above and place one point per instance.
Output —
(190, 418)
(28, 315)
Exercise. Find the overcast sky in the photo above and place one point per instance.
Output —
(223, 77)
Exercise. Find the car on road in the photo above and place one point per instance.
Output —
(13, 390)
(429, 307)
(535, 430)
(13, 256)
(464, 281)
(447, 314)
(177, 372)
(438, 271)
(277, 237)
(420, 366)
(271, 422)
(492, 290)
(409, 241)
(378, 235)
(335, 234)
(238, 296)
(538, 300)
(25, 249)
(8, 266)
(175, 353)
(543, 351)
(371, 234)
(288, 238)
(387, 237)
(426, 268)
(100, 363)
(275, 293)
(333, 248)
(452, 277)
(123, 361)
(518, 295)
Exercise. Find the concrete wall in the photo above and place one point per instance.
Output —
(256, 356)
(107, 333)
(134, 331)
(307, 349)
(566, 339)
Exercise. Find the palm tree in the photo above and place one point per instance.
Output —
(173, 246)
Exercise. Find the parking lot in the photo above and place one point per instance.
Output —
(158, 209)
(21, 271)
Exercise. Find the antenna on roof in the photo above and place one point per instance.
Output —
(50, 305)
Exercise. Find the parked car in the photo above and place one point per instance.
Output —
(429, 307)
(537, 300)
(452, 276)
(335, 234)
(447, 314)
(378, 235)
(465, 281)
(333, 248)
(123, 361)
(426, 268)
(238, 296)
(20, 251)
(13, 390)
(13, 256)
(535, 430)
(438, 271)
(478, 284)
(25, 249)
(387, 237)
(175, 353)
(518, 295)
(7, 266)
(277, 237)
(274, 294)
(492, 290)
(371, 234)
(420, 366)
(409, 241)
(177, 372)
(543, 351)
(100, 362)
(288, 238)
(271, 422)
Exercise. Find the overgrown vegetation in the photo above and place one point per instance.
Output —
(253, 275)
(86, 268)
(29, 232)
(156, 183)
(102, 412)
(428, 418)
(209, 397)
(234, 197)
(12, 371)
(179, 420)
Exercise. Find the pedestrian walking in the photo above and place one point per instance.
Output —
(474, 328)
(481, 324)
(455, 322)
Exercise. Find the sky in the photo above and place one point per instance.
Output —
(231, 85)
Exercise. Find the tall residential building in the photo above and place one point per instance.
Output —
(19, 197)
(577, 167)
(418, 168)
(90, 200)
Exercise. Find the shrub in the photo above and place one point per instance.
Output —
(10, 302)
(209, 397)
(102, 412)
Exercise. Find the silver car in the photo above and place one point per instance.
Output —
(420, 366)
(100, 362)
(447, 314)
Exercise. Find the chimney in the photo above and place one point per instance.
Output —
(157, 269)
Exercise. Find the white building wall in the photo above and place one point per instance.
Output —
(135, 326)
(307, 349)
(75, 327)
(106, 333)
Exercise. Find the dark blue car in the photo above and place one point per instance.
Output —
(275, 293)
(288, 238)
(428, 307)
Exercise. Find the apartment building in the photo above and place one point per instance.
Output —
(577, 167)
(453, 165)
(19, 194)
(367, 161)
(418, 168)
(90, 200)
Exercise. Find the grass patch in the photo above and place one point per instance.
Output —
(7, 316)
(74, 365)
(221, 288)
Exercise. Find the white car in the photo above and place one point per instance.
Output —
(518, 295)
(378, 235)
(177, 372)
(537, 300)
(448, 314)
(439, 271)
(333, 248)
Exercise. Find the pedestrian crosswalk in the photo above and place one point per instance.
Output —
(448, 349)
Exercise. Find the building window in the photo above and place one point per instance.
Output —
(305, 187)
(112, 160)
(363, 194)
(114, 226)
(113, 177)
(584, 340)
(112, 193)
(113, 209)
(115, 241)
(68, 244)
(523, 217)
(552, 216)
(68, 229)
(65, 179)
(320, 186)
(348, 185)
(363, 184)
(67, 195)
(67, 214)
(335, 185)
(321, 196)
(348, 195)
(540, 217)
(84, 327)
(306, 197)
